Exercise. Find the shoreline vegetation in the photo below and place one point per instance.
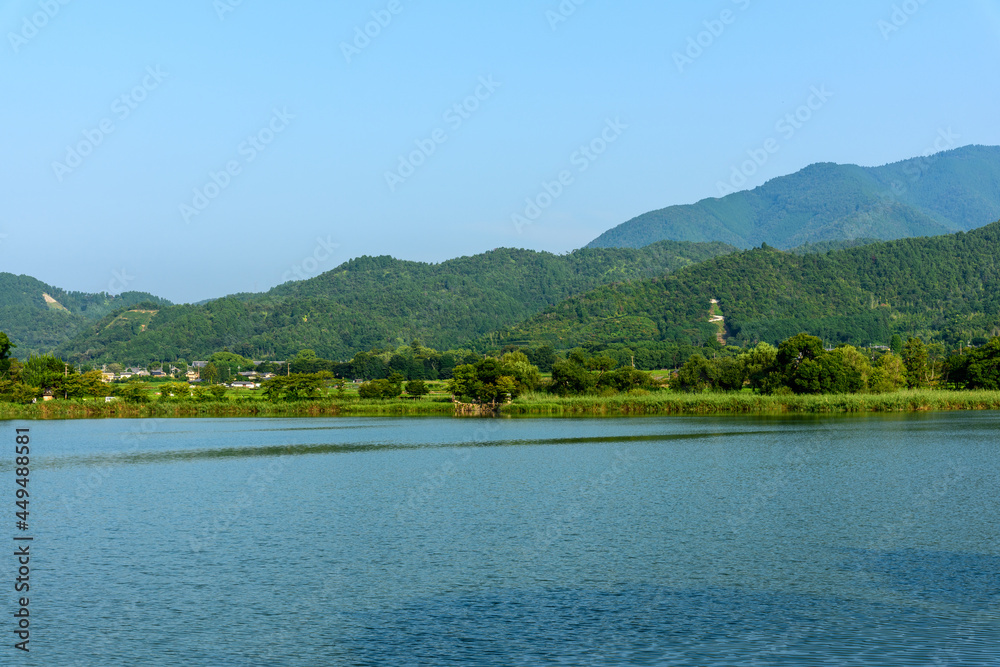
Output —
(800, 376)
(531, 404)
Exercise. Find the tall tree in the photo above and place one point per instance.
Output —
(209, 374)
(5, 348)
(896, 344)
(915, 359)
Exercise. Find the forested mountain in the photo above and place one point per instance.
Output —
(835, 285)
(829, 246)
(376, 301)
(39, 324)
(945, 288)
(957, 190)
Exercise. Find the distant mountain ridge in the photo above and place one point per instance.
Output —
(39, 317)
(377, 301)
(957, 190)
(944, 288)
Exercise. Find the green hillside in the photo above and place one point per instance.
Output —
(41, 324)
(830, 246)
(945, 288)
(376, 301)
(957, 190)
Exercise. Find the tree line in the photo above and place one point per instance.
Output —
(802, 365)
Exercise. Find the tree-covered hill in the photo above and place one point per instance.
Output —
(957, 190)
(944, 287)
(376, 301)
(41, 324)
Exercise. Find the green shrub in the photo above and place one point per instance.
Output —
(380, 390)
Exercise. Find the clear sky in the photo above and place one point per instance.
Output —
(202, 147)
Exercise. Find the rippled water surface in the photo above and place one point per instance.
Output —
(868, 540)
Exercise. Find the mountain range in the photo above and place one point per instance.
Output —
(364, 303)
(953, 191)
(40, 317)
(944, 288)
(839, 280)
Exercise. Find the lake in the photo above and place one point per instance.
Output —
(861, 540)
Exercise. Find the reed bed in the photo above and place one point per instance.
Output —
(657, 403)
(747, 403)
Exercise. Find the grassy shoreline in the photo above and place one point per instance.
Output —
(672, 403)
(536, 404)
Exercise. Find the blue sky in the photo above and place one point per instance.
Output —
(203, 147)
